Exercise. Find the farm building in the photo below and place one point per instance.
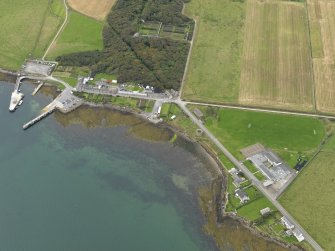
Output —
(239, 193)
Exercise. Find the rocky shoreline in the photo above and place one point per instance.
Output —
(220, 198)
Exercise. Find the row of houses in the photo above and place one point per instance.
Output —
(291, 229)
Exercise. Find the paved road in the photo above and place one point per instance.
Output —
(60, 29)
(249, 175)
(263, 110)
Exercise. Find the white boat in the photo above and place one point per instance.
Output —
(20, 103)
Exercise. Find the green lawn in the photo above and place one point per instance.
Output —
(311, 198)
(108, 77)
(251, 210)
(80, 34)
(27, 28)
(215, 66)
(285, 134)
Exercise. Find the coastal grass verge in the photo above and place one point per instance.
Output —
(277, 63)
(290, 136)
(214, 68)
(311, 196)
(81, 33)
(27, 29)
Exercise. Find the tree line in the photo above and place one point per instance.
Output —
(158, 62)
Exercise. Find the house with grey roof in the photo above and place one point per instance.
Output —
(298, 234)
(286, 223)
(241, 194)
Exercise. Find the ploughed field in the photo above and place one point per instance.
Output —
(27, 29)
(276, 68)
(276, 54)
(322, 20)
(97, 9)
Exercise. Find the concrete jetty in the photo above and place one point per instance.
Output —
(38, 88)
(43, 115)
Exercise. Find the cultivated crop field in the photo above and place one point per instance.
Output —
(97, 9)
(311, 197)
(27, 29)
(277, 64)
(82, 33)
(214, 70)
(322, 18)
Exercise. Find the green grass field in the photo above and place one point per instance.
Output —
(311, 197)
(251, 210)
(287, 135)
(80, 34)
(214, 70)
(27, 28)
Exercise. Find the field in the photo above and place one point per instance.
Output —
(287, 135)
(277, 64)
(27, 29)
(322, 19)
(251, 210)
(214, 70)
(97, 9)
(80, 34)
(311, 197)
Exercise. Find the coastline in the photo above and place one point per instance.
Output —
(217, 169)
(215, 211)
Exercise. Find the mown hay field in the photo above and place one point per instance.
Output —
(322, 20)
(97, 9)
(81, 33)
(27, 28)
(277, 63)
(214, 69)
(311, 197)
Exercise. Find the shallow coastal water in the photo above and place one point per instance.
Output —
(98, 180)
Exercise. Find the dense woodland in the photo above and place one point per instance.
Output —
(151, 61)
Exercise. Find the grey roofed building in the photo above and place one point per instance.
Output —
(298, 234)
(265, 211)
(286, 223)
(237, 179)
(270, 165)
(239, 193)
